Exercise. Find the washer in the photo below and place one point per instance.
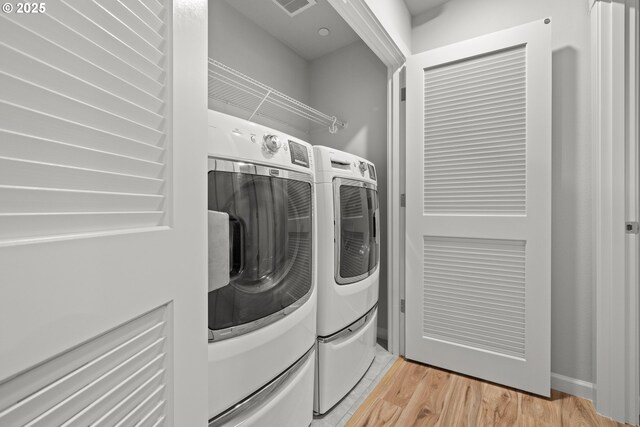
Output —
(262, 293)
(348, 273)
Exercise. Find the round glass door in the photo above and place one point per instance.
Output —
(357, 235)
(270, 227)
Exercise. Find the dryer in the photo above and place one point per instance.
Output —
(348, 273)
(262, 293)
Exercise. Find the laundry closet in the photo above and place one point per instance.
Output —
(520, 119)
(336, 74)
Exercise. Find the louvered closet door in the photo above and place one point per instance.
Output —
(479, 207)
(102, 213)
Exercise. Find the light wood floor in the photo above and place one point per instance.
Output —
(412, 394)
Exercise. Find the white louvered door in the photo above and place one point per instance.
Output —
(479, 207)
(102, 214)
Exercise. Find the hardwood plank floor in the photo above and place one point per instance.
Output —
(416, 395)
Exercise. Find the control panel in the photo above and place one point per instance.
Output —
(331, 163)
(230, 137)
(299, 154)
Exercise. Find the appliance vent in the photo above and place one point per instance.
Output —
(294, 7)
(118, 378)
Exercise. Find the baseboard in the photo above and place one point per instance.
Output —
(572, 386)
(382, 333)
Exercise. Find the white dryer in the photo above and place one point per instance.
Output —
(262, 292)
(348, 272)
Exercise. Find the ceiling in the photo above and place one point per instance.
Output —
(416, 7)
(299, 33)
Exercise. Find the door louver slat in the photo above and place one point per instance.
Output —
(47, 28)
(150, 11)
(55, 152)
(466, 142)
(144, 30)
(37, 98)
(51, 200)
(34, 226)
(478, 62)
(118, 376)
(99, 34)
(55, 56)
(470, 279)
(20, 120)
(29, 173)
(137, 416)
(99, 18)
(29, 69)
(86, 123)
(151, 387)
(473, 103)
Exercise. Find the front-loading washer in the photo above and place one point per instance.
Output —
(348, 273)
(262, 292)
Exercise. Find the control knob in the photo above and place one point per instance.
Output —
(271, 143)
(363, 167)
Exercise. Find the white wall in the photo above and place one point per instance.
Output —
(395, 18)
(351, 83)
(239, 43)
(571, 306)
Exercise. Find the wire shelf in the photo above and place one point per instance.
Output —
(230, 87)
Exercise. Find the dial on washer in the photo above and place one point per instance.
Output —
(363, 167)
(271, 143)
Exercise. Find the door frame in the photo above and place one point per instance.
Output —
(364, 22)
(396, 212)
(615, 68)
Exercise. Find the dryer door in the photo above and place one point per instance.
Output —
(357, 230)
(270, 244)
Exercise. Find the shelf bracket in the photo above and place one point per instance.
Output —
(260, 105)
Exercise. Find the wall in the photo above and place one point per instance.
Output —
(351, 83)
(571, 306)
(395, 18)
(239, 43)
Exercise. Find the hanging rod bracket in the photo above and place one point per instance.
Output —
(332, 127)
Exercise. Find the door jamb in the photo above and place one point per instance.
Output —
(614, 28)
(395, 219)
(359, 16)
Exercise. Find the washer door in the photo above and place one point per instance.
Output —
(357, 230)
(270, 227)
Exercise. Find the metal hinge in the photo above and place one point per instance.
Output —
(631, 227)
(403, 200)
(403, 94)
(401, 306)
